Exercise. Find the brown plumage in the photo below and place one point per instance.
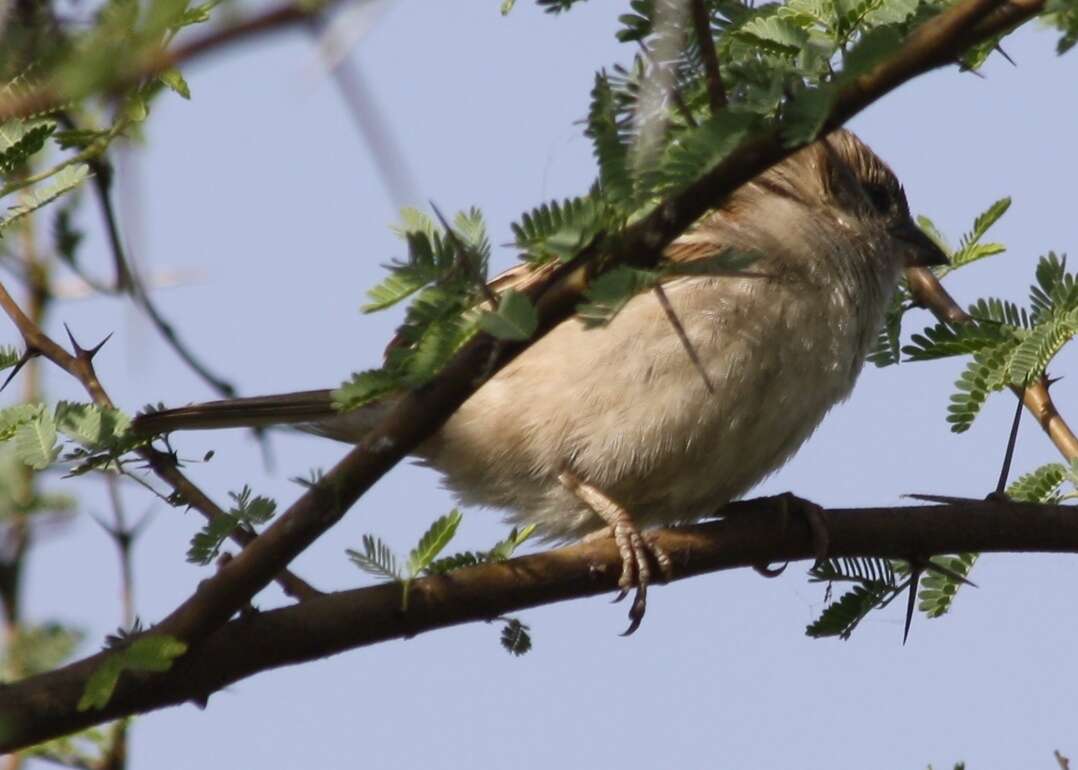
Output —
(623, 409)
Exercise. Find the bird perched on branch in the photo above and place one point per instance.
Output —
(619, 423)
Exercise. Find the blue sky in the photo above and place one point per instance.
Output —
(261, 187)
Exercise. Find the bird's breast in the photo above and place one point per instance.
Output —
(626, 409)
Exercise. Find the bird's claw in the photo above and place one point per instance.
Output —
(636, 551)
(791, 505)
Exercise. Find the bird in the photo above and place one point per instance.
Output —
(617, 429)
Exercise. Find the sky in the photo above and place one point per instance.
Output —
(262, 193)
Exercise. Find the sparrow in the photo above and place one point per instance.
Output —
(617, 424)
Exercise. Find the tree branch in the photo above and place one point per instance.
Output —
(80, 366)
(716, 93)
(44, 706)
(928, 292)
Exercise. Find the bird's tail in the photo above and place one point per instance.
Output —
(310, 410)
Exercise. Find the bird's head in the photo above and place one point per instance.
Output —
(858, 183)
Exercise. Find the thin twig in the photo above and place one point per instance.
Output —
(128, 281)
(716, 92)
(928, 292)
(80, 366)
(686, 343)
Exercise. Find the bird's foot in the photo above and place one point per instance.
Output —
(790, 506)
(636, 549)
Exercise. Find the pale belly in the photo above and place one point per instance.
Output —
(624, 408)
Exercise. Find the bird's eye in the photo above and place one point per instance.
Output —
(880, 197)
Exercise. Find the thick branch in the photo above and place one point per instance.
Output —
(43, 707)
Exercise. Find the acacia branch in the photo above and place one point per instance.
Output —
(754, 532)
(80, 366)
(928, 292)
(701, 22)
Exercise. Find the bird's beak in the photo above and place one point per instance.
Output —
(920, 251)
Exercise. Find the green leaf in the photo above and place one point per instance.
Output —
(929, 228)
(20, 139)
(515, 637)
(611, 292)
(697, 151)
(938, 591)
(887, 351)
(774, 34)
(501, 551)
(504, 549)
(174, 80)
(610, 143)
(35, 441)
(438, 342)
(841, 617)
(558, 231)
(873, 47)
(1039, 486)
(155, 652)
(376, 559)
(970, 249)
(805, 115)
(63, 181)
(246, 512)
(35, 649)
(363, 388)
(197, 14)
(987, 373)
(101, 684)
(515, 319)
(433, 541)
(91, 425)
(9, 356)
(12, 417)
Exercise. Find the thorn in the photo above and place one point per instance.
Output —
(1005, 55)
(81, 352)
(915, 579)
(101, 523)
(943, 499)
(23, 360)
(932, 566)
(1050, 381)
(1012, 439)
